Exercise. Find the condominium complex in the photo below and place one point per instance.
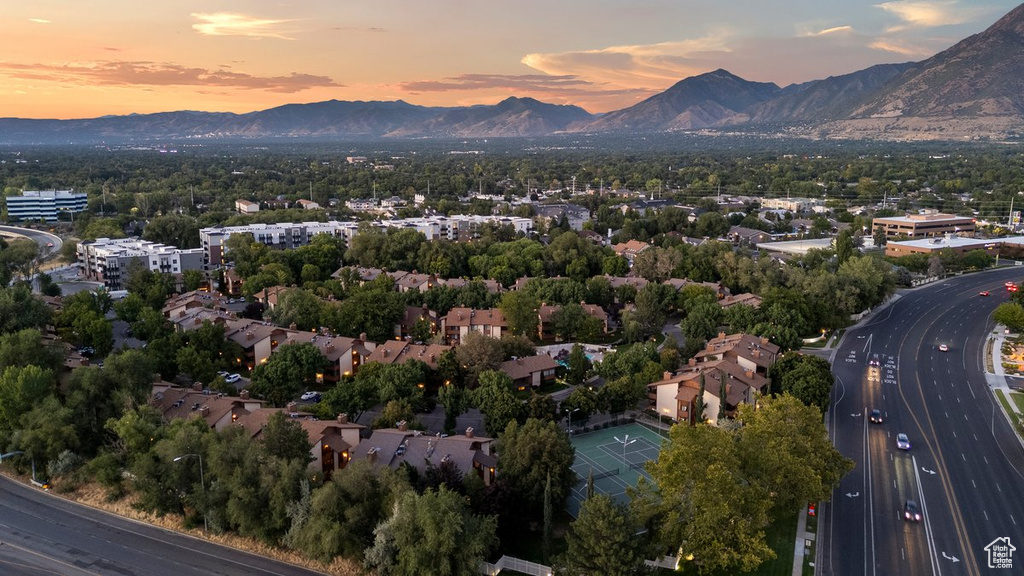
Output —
(288, 235)
(109, 260)
(44, 204)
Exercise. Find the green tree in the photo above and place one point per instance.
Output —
(579, 365)
(1010, 315)
(20, 310)
(478, 354)
(530, 454)
(299, 307)
(286, 439)
(495, 399)
(455, 401)
(21, 387)
(807, 378)
(844, 246)
(193, 280)
(340, 517)
(718, 488)
(432, 533)
(571, 322)
(288, 370)
(520, 311)
(603, 540)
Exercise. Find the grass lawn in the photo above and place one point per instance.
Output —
(781, 537)
(1018, 399)
(1006, 405)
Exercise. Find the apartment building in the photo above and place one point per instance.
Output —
(108, 260)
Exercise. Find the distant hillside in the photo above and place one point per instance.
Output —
(510, 117)
(695, 102)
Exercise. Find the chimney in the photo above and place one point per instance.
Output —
(291, 406)
(757, 353)
(749, 373)
(469, 432)
(293, 326)
(764, 340)
(385, 352)
(197, 321)
(666, 375)
(250, 335)
(244, 394)
(329, 348)
(721, 335)
(362, 336)
(371, 454)
(181, 313)
(432, 359)
(342, 418)
(205, 411)
(197, 386)
(692, 362)
(403, 426)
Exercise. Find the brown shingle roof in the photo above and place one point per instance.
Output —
(470, 317)
(524, 367)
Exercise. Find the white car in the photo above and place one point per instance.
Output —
(902, 442)
(232, 378)
(310, 396)
(943, 348)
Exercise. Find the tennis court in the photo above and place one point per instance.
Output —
(616, 456)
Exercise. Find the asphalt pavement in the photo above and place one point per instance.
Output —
(42, 534)
(965, 468)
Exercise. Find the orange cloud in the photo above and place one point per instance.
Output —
(920, 14)
(229, 24)
(114, 73)
(635, 66)
(833, 30)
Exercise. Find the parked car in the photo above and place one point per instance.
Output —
(911, 513)
(232, 378)
(876, 416)
(902, 442)
(314, 396)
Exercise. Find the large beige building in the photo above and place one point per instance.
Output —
(925, 225)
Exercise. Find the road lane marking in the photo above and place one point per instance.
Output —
(986, 515)
(998, 488)
(973, 484)
(932, 552)
(985, 459)
(965, 415)
(1013, 520)
(964, 457)
(946, 413)
(954, 433)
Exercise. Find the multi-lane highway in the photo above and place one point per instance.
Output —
(49, 244)
(965, 469)
(41, 534)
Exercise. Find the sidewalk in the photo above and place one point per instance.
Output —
(804, 542)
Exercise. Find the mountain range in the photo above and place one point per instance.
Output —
(974, 89)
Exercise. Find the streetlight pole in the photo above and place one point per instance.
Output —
(202, 482)
(625, 442)
(568, 418)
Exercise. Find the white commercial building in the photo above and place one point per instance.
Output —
(44, 204)
(109, 260)
(292, 235)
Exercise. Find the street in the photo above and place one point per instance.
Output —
(43, 534)
(965, 468)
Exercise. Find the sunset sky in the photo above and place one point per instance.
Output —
(75, 59)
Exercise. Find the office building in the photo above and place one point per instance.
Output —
(35, 205)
